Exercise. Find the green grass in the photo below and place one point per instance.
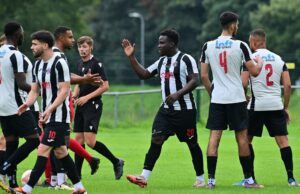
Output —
(174, 172)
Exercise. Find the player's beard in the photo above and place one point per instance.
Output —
(38, 54)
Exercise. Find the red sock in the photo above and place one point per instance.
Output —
(48, 171)
(79, 150)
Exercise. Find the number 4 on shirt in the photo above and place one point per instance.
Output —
(223, 60)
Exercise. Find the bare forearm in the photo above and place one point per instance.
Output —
(138, 68)
(286, 97)
(31, 98)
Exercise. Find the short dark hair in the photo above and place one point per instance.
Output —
(60, 31)
(172, 34)
(258, 32)
(44, 36)
(11, 28)
(227, 18)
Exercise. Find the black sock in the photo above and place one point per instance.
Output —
(12, 177)
(37, 170)
(197, 157)
(58, 165)
(103, 150)
(252, 156)
(70, 168)
(79, 162)
(287, 158)
(53, 163)
(152, 156)
(2, 157)
(11, 147)
(23, 151)
(246, 166)
(211, 166)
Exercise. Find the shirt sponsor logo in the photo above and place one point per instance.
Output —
(167, 75)
(268, 57)
(226, 44)
(46, 85)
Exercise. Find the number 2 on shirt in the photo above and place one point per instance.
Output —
(223, 60)
(269, 68)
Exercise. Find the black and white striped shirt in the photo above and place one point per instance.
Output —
(173, 72)
(48, 74)
(12, 61)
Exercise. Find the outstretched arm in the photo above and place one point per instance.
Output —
(136, 66)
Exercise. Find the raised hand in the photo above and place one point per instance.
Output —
(128, 47)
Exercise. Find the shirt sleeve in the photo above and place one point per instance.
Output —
(191, 65)
(246, 51)
(63, 72)
(153, 68)
(18, 61)
(204, 58)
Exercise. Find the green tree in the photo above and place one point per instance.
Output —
(280, 20)
(211, 28)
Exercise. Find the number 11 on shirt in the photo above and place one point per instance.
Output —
(223, 60)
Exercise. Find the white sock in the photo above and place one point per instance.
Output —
(146, 174)
(250, 180)
(200, 178)
(53, 181)
(60, 178)
(27, 188)
(78, 186)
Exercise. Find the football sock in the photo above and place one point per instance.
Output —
(60, 178)
(246, 166)
(2, 157)
(146, 174)
(287, 158)
(12, 178)
(103, 150)
(197, 157)
(200, 178)
(37, 170)
(211, 166)
(152, 156)
(252, 157)
(78, 186)
(70, 168)
(79, 149)
(79, 162)
(48, 171)
(23, 151)
(53, 163)
(53, 180)
(27, 188)
(11, 147)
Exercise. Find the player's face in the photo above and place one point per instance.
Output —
(68, 39)
(37, 48)
(84, 50)
(164, 45)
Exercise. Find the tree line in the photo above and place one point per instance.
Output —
(108, 21)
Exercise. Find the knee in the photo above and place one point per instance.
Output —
(193, 145)
(60, 152)
(90, 143)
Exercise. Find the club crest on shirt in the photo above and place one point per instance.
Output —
(82, 69)
(100, 64)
